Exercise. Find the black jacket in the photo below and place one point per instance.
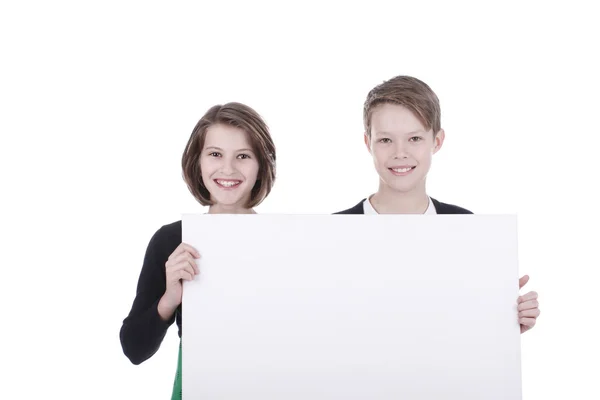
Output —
(440, 208)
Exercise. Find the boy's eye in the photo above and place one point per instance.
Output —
(385, 140)
(416, 139)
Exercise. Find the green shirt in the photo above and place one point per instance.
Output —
(177, 384)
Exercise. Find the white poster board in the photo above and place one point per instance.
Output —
(327, 307)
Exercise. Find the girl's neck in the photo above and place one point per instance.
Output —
(221, 209)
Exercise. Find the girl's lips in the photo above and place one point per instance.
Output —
(228, 183)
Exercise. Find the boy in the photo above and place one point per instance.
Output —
(402, 122)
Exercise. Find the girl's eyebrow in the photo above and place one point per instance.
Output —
(220, 149)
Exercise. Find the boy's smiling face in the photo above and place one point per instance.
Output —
(401, 147)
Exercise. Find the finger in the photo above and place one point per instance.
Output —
(530, 322)
(527, 297)
(185, 275)
(189, 259)
(534, 313)
(178, 250)
(195, 267)
(192, 263)
(528, 305)
(524, 279)
(173, 272)
(190, 249)
(183, 247)
(185, 256)
(184, 266)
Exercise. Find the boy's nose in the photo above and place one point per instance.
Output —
(400, 152)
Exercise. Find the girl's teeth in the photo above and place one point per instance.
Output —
(401, 169)
(227, 183)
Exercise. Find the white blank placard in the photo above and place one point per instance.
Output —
(352, 307)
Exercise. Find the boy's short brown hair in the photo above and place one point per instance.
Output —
(409, 92)
(243, 117)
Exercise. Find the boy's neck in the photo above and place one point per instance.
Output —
(388, 201)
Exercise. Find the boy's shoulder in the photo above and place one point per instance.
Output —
(357, 209)
(445, 208)
(440, 208)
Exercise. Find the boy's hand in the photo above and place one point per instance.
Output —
(528, 307)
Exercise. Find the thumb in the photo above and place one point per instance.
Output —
(524, 279)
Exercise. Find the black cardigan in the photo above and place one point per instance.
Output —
(440, 208)
(143, 330)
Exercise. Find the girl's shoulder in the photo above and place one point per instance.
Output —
(167, 237)
(172, 230)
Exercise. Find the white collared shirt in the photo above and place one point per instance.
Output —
(368, 207)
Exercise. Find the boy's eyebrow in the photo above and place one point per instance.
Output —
(406, 133)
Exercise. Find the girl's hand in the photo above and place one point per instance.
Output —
(180, 266)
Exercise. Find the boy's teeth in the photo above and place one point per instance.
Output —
(402, 169)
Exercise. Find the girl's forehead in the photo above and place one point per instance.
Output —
(226, 137)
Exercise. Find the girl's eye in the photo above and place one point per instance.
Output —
(214, 154)
(243, 156)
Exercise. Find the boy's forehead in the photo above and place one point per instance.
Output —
(395, 119)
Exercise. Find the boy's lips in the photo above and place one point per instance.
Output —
(227, 183)
(402, 170)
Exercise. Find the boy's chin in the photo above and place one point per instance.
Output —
(405, 188)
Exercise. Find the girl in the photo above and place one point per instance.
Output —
(228, 165)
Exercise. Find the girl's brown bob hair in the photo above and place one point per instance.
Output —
(243, 117)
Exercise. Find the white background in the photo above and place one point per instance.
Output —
(97, 101)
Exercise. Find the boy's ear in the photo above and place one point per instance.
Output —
(438, 141)
(367, 141)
